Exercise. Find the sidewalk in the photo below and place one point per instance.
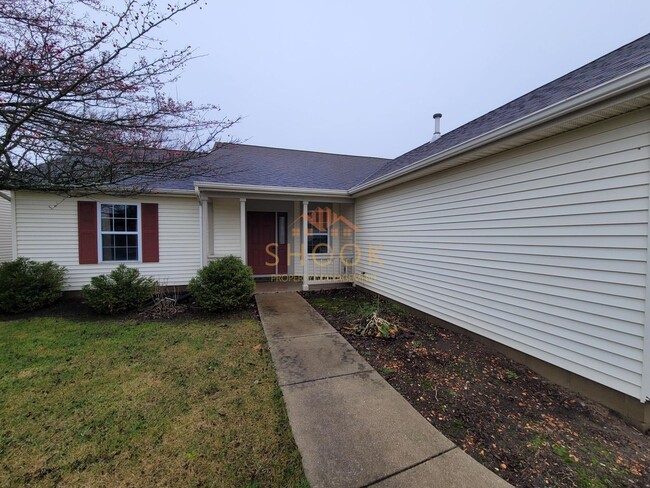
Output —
(351, 427)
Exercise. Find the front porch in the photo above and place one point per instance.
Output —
(288, 240)
(265, 286)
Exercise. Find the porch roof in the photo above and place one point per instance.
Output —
(246, 165)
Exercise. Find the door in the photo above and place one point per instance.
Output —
(267, 242)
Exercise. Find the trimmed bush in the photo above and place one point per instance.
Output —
(26, 285)
(223, 285)
(123, 290)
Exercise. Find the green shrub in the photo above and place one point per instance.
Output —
(123, 290)
(226, 284)
(27, 285)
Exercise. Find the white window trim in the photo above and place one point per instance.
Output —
(100, 253)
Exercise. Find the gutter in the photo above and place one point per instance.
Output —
(277, 190)
(171, 192)
(600, 93)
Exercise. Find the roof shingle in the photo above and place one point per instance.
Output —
(269, 166)
(606, 68)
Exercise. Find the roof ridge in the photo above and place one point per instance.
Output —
(225, 144)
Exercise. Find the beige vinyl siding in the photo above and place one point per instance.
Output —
(47, 230)
(6, 230)
(542, 248)
(226, 227)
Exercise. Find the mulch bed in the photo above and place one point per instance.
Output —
(528, 430)
(72, 307)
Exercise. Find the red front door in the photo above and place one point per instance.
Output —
(265, 255)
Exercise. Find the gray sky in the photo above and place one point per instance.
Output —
(365, 77)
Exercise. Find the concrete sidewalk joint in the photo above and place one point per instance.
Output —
(374, 483)
(351, 427)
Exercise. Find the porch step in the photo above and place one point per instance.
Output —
(291, 286)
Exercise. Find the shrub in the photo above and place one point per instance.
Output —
(223, 285)
(123, 290)
(27, 285)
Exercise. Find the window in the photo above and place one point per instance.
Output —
(119, 232)
(318, 231)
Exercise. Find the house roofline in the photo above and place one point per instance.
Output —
(272, 190)
(618, 86)
(170, 192)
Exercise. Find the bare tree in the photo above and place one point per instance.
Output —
(83, 106)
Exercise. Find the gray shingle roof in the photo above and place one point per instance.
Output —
(269, 166)
(617, 63)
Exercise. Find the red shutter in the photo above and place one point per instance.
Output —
(150, 252)
(87, 230)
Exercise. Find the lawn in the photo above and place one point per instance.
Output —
(528, 430)
(189, 402)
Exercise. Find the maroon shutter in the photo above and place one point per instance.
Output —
(150, 253)
(87, 230)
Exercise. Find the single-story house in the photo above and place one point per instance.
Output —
(527, 227)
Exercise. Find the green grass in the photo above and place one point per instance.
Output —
(386, 371)
(120, 403)
(593, 466)
(333, 304)
(358, 306)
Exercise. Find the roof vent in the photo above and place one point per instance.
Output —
(436, 134)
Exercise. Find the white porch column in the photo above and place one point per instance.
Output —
(205, 229)
(242, 229)
(305, 261)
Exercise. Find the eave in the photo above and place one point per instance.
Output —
(620, 95)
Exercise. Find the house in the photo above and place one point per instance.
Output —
(527, 227)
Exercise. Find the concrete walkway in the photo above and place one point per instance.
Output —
(352, 428)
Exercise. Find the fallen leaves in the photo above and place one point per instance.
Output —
(531, 432)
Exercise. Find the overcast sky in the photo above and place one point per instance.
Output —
(365, 77)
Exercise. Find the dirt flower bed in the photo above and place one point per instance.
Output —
(529, 431)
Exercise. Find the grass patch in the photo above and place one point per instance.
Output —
(334, 305)
(120, 403)
(386, 371)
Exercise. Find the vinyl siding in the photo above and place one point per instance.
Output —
(542, 248)
(47, 230)
(6, 231)
(226, 227)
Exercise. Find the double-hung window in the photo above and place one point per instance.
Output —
(119, 232)
(318, 231)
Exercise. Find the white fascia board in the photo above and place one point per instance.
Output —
(170, 193)
(612, 88)
(270, 190)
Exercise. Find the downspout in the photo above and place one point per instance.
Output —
(198, 197)
(14, 226)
